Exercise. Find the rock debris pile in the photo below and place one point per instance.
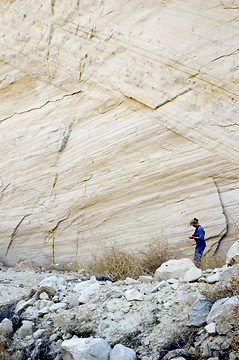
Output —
(184, 314)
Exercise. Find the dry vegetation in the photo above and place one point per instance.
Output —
(222, 290)
(111, 260)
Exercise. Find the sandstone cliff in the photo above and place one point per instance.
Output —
(119, 122)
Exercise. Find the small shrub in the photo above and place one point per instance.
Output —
(156, 253)
(222, 290)
(114, 262)
(117, 263)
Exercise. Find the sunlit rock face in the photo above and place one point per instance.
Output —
(118, 123)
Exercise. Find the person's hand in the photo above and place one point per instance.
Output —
(191, 237)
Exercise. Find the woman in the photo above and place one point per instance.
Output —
(198, 236)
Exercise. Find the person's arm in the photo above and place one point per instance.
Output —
(200, 233)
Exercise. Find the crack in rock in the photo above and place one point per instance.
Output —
(226, 55)
(51, 235)
(172, 98)
(226, 218)
(14, 233)
(40, 107)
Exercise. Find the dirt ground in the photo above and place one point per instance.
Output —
(16, 284)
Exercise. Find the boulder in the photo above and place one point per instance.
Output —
(233, 254)
(199, 311)
(85, 349)
(193, 274)
(6, 327)
(229, 272)
(84, 290)
(173, 269)
(221, 307)
(25, 329)
(22, 304)
(121, 352)
(212, 279)
(51, 285)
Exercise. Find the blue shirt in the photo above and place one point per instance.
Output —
(200, 233)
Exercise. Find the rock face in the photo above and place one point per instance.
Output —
(119, 122)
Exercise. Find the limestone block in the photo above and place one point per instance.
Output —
(6, 327)
(84, 291)
(199, 311)
(227, 273)
(211, 328)
(173, 269)
(192, 274)
(212, 279)
(85, 349)
(23, 304)
(233, 254)
(25, 329)
(51, 285)
(220, 307)
(121, 352)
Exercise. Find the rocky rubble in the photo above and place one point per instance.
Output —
(83, 317)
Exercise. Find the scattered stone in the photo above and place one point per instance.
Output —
(221, 306)
(176, 354)
(192, 274)
(173, 269)
(211, 328)
(133, 294)
(146, 279)
(130, 281)
(227, 273)
(22, 304)
(233, 254)
(121, 352)
(44, 296)
(199, 311)
(85, 349)
(25, 329)
(212, 279)
(50, 285)
(6, 327)
(158, 286)
(38, 334)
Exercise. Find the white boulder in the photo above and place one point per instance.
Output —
(193, 274)
(173, 269)
(121, 352)
(6, 327)
(85, 349)
(233, 254)
(50, 285)
(25, 329)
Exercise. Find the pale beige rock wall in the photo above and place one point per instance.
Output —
(119, 122)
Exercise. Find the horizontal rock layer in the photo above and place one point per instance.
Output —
(119, 122)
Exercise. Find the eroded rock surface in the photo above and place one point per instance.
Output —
(119, 122)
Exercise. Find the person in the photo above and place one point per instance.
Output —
(198, 236)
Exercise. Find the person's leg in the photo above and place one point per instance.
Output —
(198, 255)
